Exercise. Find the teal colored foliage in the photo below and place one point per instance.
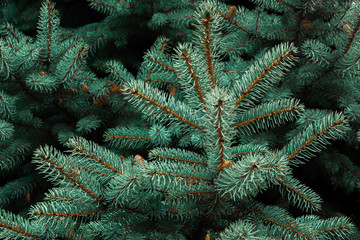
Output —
(37, 74)
(204, 141)
(23, 13)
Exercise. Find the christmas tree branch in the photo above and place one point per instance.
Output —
(207, 42)
(194, 77)
(72, 179)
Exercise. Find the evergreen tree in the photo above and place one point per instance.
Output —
(214, 123)
(49, 90)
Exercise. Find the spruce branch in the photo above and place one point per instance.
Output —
(299, 194)
(200, 127)
(48, 164)
(141, 92)
(261, 75)
(16, 227)
(318, 134)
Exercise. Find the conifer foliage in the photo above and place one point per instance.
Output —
(42, 94)
(222, 121)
